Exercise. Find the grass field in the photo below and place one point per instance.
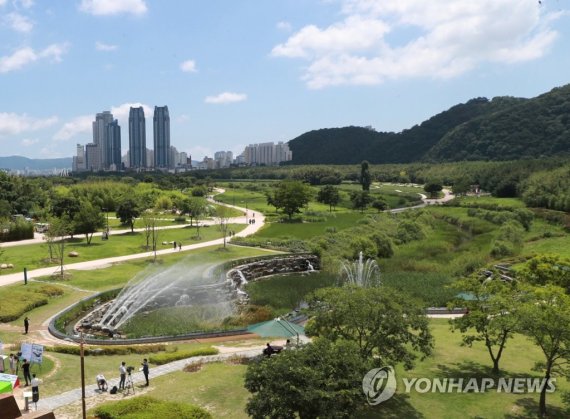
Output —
(219, 387)
(35, 255)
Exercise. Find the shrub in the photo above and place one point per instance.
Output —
(409, 231)
(364, 245)
(145, 407)
(107, 350)
(383, 244)
(165, 358)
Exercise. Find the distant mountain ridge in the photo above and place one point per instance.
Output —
(504, 128)
(23, 163)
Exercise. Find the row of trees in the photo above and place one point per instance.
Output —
(535, 304)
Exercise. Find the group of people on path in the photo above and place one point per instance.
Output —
(123, 372)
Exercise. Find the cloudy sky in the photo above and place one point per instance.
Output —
(235, 72)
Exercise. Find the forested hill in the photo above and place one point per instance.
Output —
(504, 128)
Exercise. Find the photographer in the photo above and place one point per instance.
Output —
(101, 382)
(123, 373)
(145, 370)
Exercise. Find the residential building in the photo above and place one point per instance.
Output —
(113, 146)
(266, 154)
(100, 138)
(161, 124)
(137, 139)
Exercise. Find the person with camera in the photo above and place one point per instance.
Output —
(123, 374)
(145, 370)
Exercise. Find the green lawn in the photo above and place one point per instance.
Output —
(218, 387)
(306, 230)
(35, 255)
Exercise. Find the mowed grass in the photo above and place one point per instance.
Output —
(35, 255)
(218, 387)
(451, 360)
(307, 230)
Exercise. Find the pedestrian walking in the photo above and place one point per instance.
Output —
(174, 245)
(179, 246)
(26, 369)
(145, 370)
(26, 325)
(123, 375)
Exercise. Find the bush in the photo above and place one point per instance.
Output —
(107, 350)
(165, 358)
(180, 219)
(18, 230)
(145, 407)
(409, 231)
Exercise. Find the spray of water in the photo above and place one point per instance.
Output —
(361, 273)
(179, 285)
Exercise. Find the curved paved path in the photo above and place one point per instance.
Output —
(102, 263)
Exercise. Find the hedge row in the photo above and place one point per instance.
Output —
(147, 407)
(16, 301)
(165, 358)
(108, 350)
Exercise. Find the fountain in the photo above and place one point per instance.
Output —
(361, 273)
(176, 286)
(310, 267)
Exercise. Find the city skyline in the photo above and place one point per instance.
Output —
(245, 72)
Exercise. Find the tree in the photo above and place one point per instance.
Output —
(88, 220)
(149, 226)
(433, 188)
(365, 178)
(385, 324)
(491, 316)
(461, 186)
(360, 200)
(383, 244)
(128, 210)
(547, 269)
(379, 204)
(197, 209)
(329, 195)
(223, 215)
(58, 229)
(290, 197)
(544, 317)
(321, 379)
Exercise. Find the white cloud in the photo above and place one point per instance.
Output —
(113, 7)
(27, 55)
(26, 4)
(19, 23)
(226, 97)
(79, 125)
(188, 66)
(100, 46)
(284, 26)
(182, 118)
(27, 142)
(434, 39)
(2, 3)
(12, 123)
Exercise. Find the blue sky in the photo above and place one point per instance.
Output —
(235, 72)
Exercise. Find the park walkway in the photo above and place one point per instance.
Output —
(102, 263)
(91, 390)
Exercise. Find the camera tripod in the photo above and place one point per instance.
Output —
(129, 385)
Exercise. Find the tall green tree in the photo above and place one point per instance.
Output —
(365, 177)
(128, 210)
(544, 317)
(290, 197)
(320, 380)
(433, 188)
(329, 195)
(547, 269)
(491, 316)
(360, 200)
(88, 220)
(386, 325)
(222, 216)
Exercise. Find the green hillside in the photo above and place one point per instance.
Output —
(504, 128)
